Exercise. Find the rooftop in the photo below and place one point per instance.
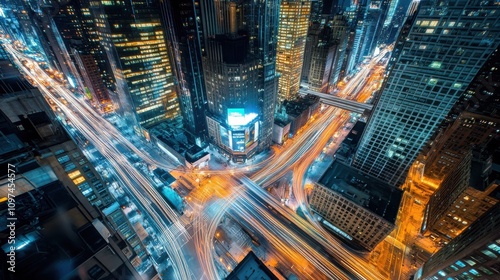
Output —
(299, 105)
(364, 190)
(175, 137)
(164, 176)
(195, 153)
(52, 236)
(251, 268)
(281, 122)
(355, 134)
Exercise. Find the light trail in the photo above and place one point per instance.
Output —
(86, 121)
(288, 242)
(281, 166)
(206, 223)
(323, 128)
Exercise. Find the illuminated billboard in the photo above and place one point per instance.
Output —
(237, 117)
(250, 135)
(256, 134)
(239, 140)
(224, 136)
(241, 137)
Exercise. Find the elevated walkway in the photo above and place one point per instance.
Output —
(338, 102)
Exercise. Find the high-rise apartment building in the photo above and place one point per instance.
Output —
(293, 25)
(133, 37)
(432, 69)
(240, 74)
(474, 254)
(183, 23)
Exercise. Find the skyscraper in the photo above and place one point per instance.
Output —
(356, 15)
(182, 20)
(393, 22)
(390, 12)
(240, 74)
(457, 203)
(91, 75)
(317, 67)
(79, 34)
(134, 40)
(341, 36)
(431, 71)
(450, 189)
(325, 48)
(383, 6)
(464, 195)
(293, 25)
(475, 253)
(316, 13)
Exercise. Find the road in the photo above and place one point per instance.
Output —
(209, 204)
(102, 135)
(314, 138)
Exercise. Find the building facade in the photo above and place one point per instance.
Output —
(432, 69)
(468, 189)
(183, 23)
(357, 16)
(358, 209)
(321, 58)
(467, 131)
(293, 25)
(94, 88)
(79, 34)
(456, 219)
(474, 254)
(240, 75)
(324, 54)
(475, 120)
(449, 190)
(135, 42)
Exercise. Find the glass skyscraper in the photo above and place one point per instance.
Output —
(134, 39)
(240, 74)
(447, 44)
(182, 21)
(78, 32)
